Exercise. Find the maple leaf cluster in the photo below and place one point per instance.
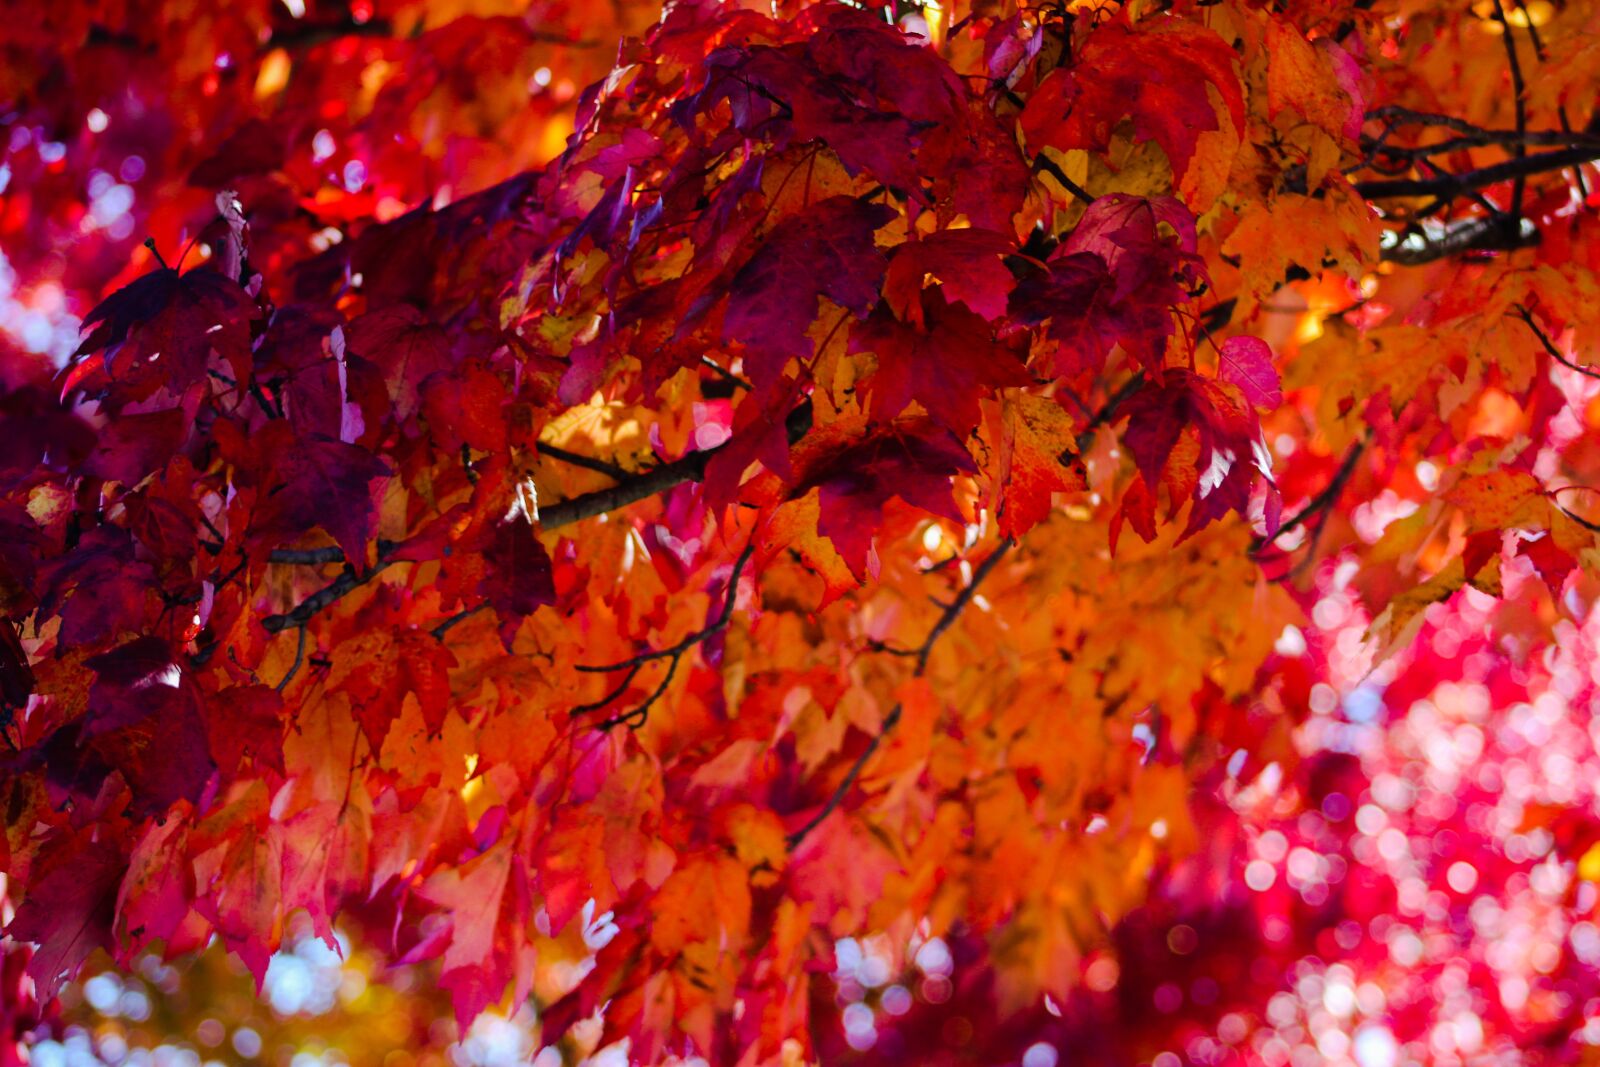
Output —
(846, 471)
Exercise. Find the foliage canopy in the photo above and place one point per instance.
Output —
(848, 469)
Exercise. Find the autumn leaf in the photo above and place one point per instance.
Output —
(1037, 444)
(315, 482)
(406, 348)
(147, 719)
(1247, 363)
(380, 670)
(945, 366)
(161, 330)
(69, 913)
(1157, 74)
(827, 251)
(966, 266)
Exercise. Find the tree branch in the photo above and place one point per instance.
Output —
(1519, 149)
(1450, 185)
(945, 621)
(588, 463)
(1107, 412)
(633, 488)
(342, 586)
(306, 556)
(674, 653)
(725, 374)
(1484, 234)
(299, 655)
(1550, 347)
(1321, 501)
(455, 620)
(1048, 165)
(1468, 135)
(691, 468)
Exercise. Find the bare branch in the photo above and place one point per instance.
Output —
(946, 619)
(1048, 165)
(725, 374)
(1321, 502)
(1107, 411)
(1519, 149)
(588, 463)
(314, 557)
(691, 468)
(343, 586)
(307, 556)
(299, 654)
(1550, 347)
(1469, 235)
(1468, 135)
(673, 654)
(1457, 184)
(455, 620)
(634, 488)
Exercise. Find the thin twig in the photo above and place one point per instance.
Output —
(299, 654)
(726, 374)
(1107, 411)
(691, 468)
(1519, 150)
(1320, 502)
(1468, 235)
(1048, 165)
(1549, 345)
(1468, 134)
(459, 617)
(673, 654)
(306, 556)
(1479, 139)
(946, 619)
(588, 463)
(1456, 184)
(341, 587)
(622, 687)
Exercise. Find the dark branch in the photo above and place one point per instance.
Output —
(455, 620)
(1490, 234)
(622, 687)
(1318, 503)
(1451, 185)
(306, 556)
(1107, 411)
(1468, 135)
(946, 619)
(673, 654)
(1048, 165)
(588, 463)
(1519, 149)
(691, 468)
(1550, 347)
(343, 586)
(299, 654)
(725, 374)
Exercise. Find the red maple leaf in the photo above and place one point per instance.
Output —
(828, 251)
(68, 912)
(312, 481)
(945, 366)
(146, 718)
(1158, 74)
(161, 330)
